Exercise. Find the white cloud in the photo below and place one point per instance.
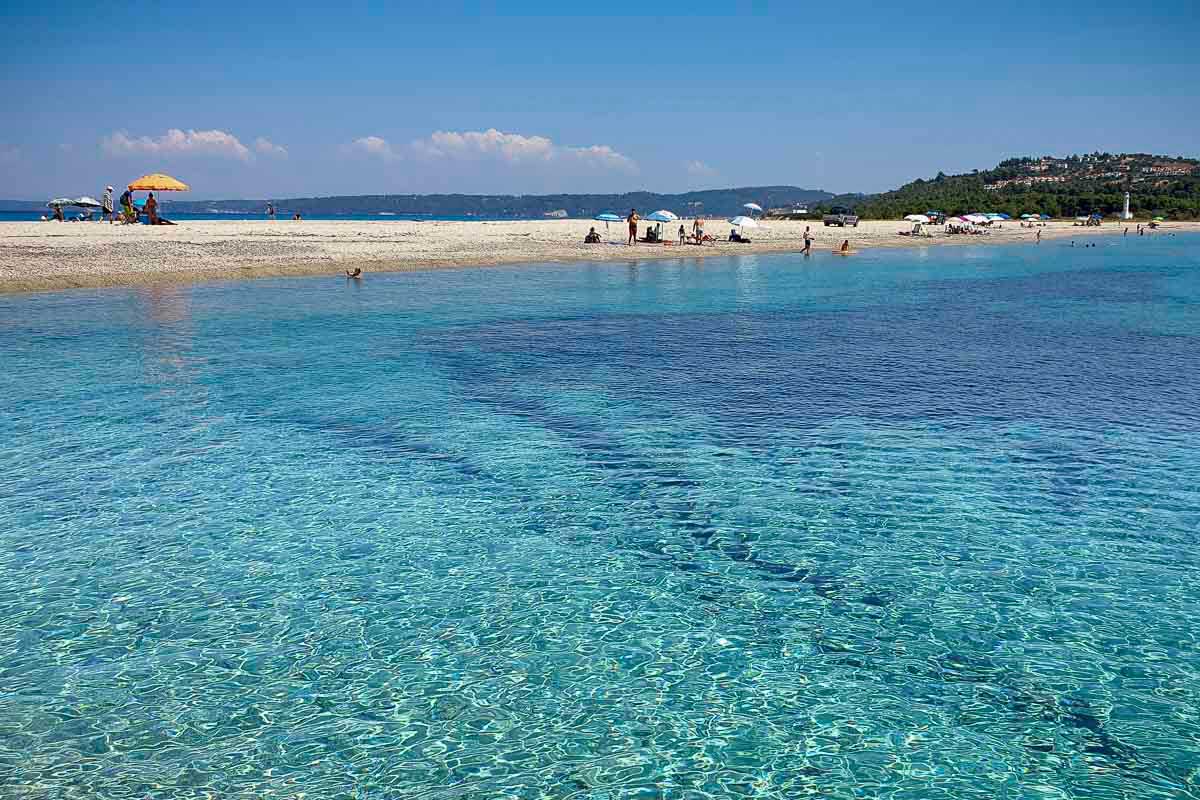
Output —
(178, 142)
(372, 146)
(699, 169)
(266, 147)
(514, 148)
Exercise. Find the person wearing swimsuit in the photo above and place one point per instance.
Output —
(632, 219)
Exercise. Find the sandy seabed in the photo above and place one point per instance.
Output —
(42, 256)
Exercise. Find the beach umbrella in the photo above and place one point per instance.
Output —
(917, 218)
(86, 202)
(157, 182)
(608, 217)
(744, 222)
(1029, 216)
(753, 207)
(662, 215)
(1160, 219)
(1045, 216)
(976, 218)
(59, 201)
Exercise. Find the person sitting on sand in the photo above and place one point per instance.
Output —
(632, 219)
(296, 216)
(58, 214)
(592, 237)
(356, 274)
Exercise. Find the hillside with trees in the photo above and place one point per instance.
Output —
(1061, 187)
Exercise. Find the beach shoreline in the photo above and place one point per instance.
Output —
(45, 256)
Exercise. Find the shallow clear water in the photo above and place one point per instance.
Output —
(910, 524)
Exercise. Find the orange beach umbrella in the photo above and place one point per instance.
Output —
(157, 182)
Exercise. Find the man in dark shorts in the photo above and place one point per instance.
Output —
(632, 219)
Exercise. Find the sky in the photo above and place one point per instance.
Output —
(257, 100)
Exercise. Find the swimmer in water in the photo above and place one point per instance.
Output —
(356, 274)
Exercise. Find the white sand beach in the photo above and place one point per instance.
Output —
(40, 256)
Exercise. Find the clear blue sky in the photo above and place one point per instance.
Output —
(286, 99)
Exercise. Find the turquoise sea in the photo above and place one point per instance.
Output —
(911, 524)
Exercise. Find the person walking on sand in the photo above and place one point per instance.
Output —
(152, 209)
(632, 219)
(106, 205)
(127, 206)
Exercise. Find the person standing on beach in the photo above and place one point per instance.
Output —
(270, 212)
(698, 230)
(632, 219)
(1039, 236)
(682, 235)
(808, 240)
(106, 204)
(127, 206)
(152, 209)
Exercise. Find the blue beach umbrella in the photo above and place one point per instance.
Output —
(608, 217)
(1045, 216)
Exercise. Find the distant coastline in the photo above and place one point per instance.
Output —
(711, 203)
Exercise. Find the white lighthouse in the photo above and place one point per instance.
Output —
(1127, 214)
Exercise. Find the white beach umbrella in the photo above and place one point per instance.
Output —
(752, 206)
(744, 222)
(60, 201)
(86, 202)
(917, 218)
(976, 218)
(662, 215)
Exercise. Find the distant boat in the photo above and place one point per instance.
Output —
(387, 213)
